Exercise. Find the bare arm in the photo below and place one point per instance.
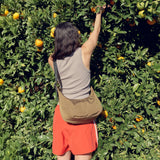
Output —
(89, 46)
(91, 43)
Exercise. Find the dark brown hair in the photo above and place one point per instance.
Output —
(67, 40)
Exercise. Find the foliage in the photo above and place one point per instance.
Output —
(125, 74)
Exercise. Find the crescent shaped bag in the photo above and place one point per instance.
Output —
(77, 111)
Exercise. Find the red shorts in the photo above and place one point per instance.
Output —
(79, 139)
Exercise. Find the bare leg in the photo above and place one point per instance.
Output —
(66, 156)
(83, 157)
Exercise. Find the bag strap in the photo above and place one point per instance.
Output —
(58, 83)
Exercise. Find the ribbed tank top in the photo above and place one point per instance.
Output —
(74, 75)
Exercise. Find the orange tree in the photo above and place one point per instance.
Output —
(125, 74)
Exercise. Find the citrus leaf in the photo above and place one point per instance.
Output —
(135, 87)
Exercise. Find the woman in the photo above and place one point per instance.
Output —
(73, 64)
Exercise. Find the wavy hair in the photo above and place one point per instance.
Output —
(67, 40)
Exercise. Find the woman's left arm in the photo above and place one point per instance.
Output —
(50, 61)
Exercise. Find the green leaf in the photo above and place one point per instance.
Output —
(119, 119)
(144, 51)
(139, 147)
(135, 87)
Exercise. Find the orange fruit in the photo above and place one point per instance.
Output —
(54, 15)
(158, 102)
(112, 2)
(21, 89)
(114, 127)
(151, 22)
(120, 58)
(143, 130)
(105, 113)
(141, 14)
(22, 109)
(79, 32)
(134, 126)
(16, 15)
(6, 12)
(93, 9)
(149, 64)
(140, 118)
(52, 34)
(1, 82)
(39, 43)
(132, 24)
(53, 29)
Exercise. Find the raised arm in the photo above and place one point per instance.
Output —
(89, 46)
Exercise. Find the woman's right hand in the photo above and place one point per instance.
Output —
(102, 8)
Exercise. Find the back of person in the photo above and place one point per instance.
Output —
(73, 63)
(75, 77)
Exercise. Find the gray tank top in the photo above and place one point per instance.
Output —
(74, 75)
